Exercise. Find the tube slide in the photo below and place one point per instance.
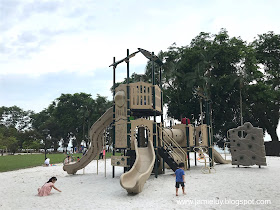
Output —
(133, 180)
(218, 158)
(96, 137)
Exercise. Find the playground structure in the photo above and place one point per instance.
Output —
(247, 145)
(146, 146)
(203, 157)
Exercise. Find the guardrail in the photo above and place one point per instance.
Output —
(170, 145)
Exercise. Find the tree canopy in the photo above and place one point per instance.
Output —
(70, 117)
(67, 117)
(230, 74)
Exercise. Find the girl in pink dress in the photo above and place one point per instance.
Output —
(46, 188)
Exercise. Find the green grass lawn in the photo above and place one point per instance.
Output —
(14, 162)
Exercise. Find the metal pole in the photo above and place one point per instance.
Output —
(114, 116)
(97, 166)
(124, 168)
(201, 113)
(188, 145)
(161, 101)
(45, 148)
(128, 102)
(154, 107)
(104, 157)
(210, 144)
(195, 159)
(241, 114)
(127, 67)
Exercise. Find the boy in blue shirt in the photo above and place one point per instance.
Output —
(180, 178)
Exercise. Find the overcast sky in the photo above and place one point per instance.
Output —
(50, 47)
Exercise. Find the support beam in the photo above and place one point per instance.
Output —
(114, 114)
(128, 102)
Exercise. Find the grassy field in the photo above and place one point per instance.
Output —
(15, 162)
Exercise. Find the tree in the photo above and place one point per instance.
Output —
(224, 70)
(8, 139)
(70, 117)
(265, 94)
(9, 143)
(263, 107)
(29, 139)
(208, 66)
(15, 117)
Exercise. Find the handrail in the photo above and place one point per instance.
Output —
(175, 142)
(169, 146)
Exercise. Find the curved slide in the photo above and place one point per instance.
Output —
(218, 158)
(133, 180)
(96, 136)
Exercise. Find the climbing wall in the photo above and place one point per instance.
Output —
(247, 145)
(121, 116)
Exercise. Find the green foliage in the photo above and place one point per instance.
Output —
(70, 116)
(8, 139)
(9, 143)
(35, 145)
(266, 103)
(15, 117)
(267, 48)
(221, 69)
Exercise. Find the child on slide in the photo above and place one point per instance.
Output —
(180, 178)
(47, 187)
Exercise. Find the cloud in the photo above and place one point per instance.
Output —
(27, 37)
(9, 10)
(41, 7)
(42, 37)
(36, 93)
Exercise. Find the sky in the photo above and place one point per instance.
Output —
(50, 47)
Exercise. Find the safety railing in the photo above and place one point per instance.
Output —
(172, 145)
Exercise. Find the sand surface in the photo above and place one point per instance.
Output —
(18, 189)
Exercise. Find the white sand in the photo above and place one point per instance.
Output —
(18, 189)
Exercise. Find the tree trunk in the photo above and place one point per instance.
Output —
(273, 134)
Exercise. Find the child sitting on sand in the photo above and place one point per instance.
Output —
(47, 162)
(180, 178)
(46, 188)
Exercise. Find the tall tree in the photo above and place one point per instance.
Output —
(74, 114)
(217, 67)
(264, 95)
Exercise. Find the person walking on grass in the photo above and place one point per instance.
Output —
(180, 178)
(47, 187)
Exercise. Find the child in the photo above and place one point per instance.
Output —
(67, 160)
(46, 188)
(180, 178)
(47, 162)
(104, 153)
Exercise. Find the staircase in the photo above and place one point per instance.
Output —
(169, 146)
(168, 159)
